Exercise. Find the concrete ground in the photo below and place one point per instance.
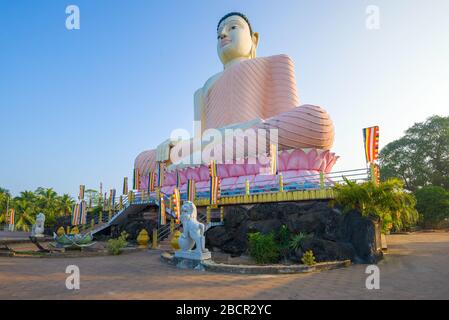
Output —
(416, 267)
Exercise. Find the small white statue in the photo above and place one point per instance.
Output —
(38, 227)
(193, 233)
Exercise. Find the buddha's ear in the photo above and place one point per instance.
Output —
(255, 39)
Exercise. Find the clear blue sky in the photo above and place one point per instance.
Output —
(76, 107)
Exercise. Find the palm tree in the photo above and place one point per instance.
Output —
(25, 212)
(64, 205)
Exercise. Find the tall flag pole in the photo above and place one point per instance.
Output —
(371, 144)
(125, 185)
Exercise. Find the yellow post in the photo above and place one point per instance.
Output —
(172, 226)
(68, 230)
(121, 203)
(221, 213)
(281, 183)
(208, 214)
(247, 189)
(92, 223)
(110, 215)
(100, 217)
(322, 185)
(154, 238)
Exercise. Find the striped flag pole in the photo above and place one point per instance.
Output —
(215, 183)
(191, 190)
(371, 144)
(83, 213)
(177, 204)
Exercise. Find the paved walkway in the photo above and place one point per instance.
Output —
(416, 267)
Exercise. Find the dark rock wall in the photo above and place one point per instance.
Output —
(333, 234)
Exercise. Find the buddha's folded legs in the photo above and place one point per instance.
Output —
(306, 126)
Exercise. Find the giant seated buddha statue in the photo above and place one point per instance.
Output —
(254, 92)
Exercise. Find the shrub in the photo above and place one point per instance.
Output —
(387, 201)
(297, 241)
(284, 242)
(308, 258)
(115, 246)
(433, 205)
(263, 248)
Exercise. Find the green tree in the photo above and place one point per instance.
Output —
(388, 201)
(433, 205)
(421, 156)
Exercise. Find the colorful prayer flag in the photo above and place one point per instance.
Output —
(83, 212)
(213, 168)
(215, 190)
(191, 190)
(371, 141)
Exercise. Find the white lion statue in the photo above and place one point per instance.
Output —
(38, 227)
(193, 231)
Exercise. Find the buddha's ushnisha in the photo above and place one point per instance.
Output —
(254, 93)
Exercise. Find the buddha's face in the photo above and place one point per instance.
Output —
(235, 39)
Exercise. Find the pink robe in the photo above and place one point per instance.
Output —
(265, 89)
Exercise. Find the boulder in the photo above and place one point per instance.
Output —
(361, 233)
(217, 237)
(234, 216)
(334, 235)
(325, 250)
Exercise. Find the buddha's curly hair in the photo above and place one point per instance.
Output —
(236, 14)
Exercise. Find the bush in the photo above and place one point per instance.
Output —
(433, 205)
(387, 201)
(115, 246)
(263, 248)
(297, 241)
(308, 258)
(284, 242)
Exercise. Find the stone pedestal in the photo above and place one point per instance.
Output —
(191, 259)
